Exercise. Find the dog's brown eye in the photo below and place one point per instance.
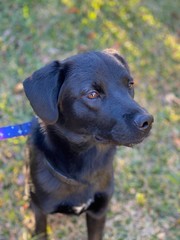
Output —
(93, 95)
(130, 84)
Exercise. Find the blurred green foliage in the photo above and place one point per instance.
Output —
(146, 200)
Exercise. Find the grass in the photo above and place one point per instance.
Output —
(146, 200)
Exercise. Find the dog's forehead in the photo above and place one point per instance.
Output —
(95, 66)
(95, 59)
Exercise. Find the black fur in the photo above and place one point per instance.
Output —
(85, 109)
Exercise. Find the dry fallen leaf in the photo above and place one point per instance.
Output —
(18, 89)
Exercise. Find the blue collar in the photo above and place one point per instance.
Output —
(15, 130)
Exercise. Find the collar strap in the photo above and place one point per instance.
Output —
(61, 176)
(15, 130)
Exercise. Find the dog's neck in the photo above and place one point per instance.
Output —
(78, 142)
(72, 151)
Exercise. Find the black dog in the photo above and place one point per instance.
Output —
(85, 107)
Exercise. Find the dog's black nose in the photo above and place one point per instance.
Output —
(143, 121)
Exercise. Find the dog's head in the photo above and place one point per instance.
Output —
(90, 94)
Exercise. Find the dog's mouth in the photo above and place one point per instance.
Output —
(101, 139)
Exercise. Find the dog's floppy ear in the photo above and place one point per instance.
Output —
(114, 53)
(42, 90)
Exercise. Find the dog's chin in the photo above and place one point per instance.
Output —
(120, 142)
(131, 145)
(134, 142)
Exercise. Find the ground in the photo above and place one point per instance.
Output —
(145, 205)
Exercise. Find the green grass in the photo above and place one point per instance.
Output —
(146, 200)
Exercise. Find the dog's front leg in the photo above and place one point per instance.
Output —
(95, 227)
(40, 223)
